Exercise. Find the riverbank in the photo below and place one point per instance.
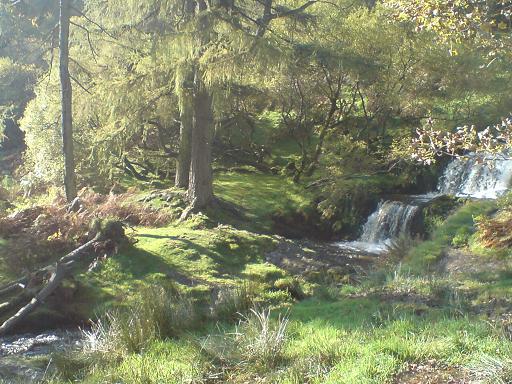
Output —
(384, 322)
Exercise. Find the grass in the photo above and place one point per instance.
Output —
(163, 286)
(367, 333)
(352, 339)
(190, 258)
(261, 195)
(456, 231)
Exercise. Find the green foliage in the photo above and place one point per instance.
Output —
(16, 81)
(455, 230)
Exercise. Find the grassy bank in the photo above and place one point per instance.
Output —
(451, 322)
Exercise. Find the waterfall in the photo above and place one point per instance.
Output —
(390, 220)
(477, 177)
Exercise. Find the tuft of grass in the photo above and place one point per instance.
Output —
(256, 345)
(230, 302)
(260, 339)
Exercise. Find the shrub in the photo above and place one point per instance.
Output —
(37, 235)
(462, 237)
(495, 232)
(290, 285)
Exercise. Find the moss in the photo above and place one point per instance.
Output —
(192, 259)
(290, 285)
(436, 211)
(259, 197)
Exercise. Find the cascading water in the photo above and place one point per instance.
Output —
(476, 176)
(390, 220)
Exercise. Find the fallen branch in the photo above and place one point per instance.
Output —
(59, 271)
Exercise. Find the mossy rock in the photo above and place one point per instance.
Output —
(436, 211)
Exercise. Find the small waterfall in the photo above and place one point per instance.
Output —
(477, 176)
(390, 220)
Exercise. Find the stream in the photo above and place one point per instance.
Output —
(25, 358)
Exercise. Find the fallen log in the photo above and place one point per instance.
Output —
(59, 271)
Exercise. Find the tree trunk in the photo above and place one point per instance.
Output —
(183, 160)
(66, 103)
(61, 270)
(200, 183)
(200, 188)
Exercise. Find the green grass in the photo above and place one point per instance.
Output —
(183, 255)
(351, 339)
(456, 230)
(261, 195)
(366, 333)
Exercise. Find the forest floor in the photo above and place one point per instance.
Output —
(439, 311)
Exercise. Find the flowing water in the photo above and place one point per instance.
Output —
(25, 358)
(476, 177)
(390, 220)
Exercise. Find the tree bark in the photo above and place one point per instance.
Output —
(66, 103)
(200, 189)
(200, 186)
(184, 155)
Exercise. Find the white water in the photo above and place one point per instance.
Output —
(476, 177)
(390, 220)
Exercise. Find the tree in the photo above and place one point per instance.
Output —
(487, 21)
(66, 103)
(200, 184)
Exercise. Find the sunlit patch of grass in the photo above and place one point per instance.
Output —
(261, 195)
(184, 255)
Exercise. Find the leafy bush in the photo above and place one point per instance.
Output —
(462, 237)
(290, 285)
